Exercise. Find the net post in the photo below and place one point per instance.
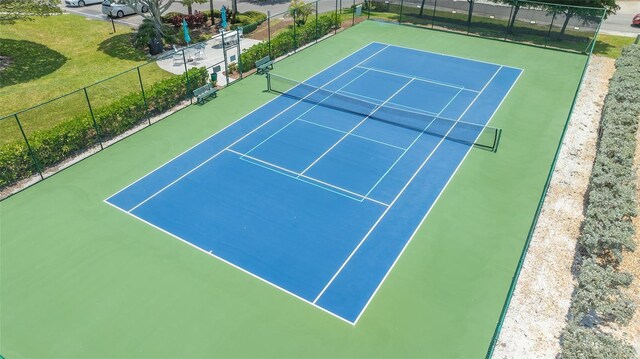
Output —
(29, 149)
(268, 82)
(93, 118)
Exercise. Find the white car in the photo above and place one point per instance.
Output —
(118, 8)
(81, 2)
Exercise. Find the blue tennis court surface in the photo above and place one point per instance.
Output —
(317, 200)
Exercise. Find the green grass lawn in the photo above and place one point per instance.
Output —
(611, 45)
(85, 51)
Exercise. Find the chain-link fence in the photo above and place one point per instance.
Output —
(572, 28)
(41, 140)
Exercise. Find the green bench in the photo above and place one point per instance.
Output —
(201, 93)
(264, 65)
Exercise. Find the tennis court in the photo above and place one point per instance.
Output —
(319, 191)
(70, 261)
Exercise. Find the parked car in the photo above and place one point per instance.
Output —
(81, 2)
(118, 8)
(636, 20)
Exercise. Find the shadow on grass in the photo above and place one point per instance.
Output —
(29, 61)
(121, 46)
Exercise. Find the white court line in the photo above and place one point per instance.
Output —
(354, 135)
(229, 263)
(309, 109)
(238, 140)
(433, 205)
(446, 55)
(244, 155)
(375, 225)
(390, 104)
(421, 79)
(412, 143)
(233, 123)
(356, 126)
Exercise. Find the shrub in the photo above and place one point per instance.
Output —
(197, 19)
(607, 230)
(579, 342)
(284, 42)
(58, 143)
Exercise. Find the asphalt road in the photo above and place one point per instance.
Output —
(618, 24)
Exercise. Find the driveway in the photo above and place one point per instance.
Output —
(620, 23)
(617, 24)
(275, 6)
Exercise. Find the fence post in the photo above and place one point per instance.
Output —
(470, 16)
(401, 8)
(335, 31)
(238, 51)
(31, 154)
(433, 15)
(295, 40)
(186, 71)
(144, 97)
(317, 21)
(353, 13)
(546, 40)
(269, 33)
(368, 9)
(93, 118)
(316, 27)
(226, 64)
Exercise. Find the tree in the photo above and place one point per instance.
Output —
(572, 10)
(13, 10)
(154, 14)
(300, 11)
(189, 4)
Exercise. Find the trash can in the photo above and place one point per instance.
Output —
(155, 46)
(214, 77)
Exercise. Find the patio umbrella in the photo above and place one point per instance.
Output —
(223, 15)
(185, 29)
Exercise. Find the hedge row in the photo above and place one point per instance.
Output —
(607, 229)
(58, 143)
(285, 41)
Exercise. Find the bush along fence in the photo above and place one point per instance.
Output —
(607, 232)
(41, 150)
(565, 27)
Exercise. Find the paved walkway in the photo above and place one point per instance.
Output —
(213, 55)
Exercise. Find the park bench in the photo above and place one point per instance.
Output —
(201, 93)
(264, 65)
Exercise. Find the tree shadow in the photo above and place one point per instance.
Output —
(602, 47)
(121, 46)
(28, 61)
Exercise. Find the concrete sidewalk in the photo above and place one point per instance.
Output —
(213, 55)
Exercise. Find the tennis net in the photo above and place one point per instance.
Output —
(484, 137)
